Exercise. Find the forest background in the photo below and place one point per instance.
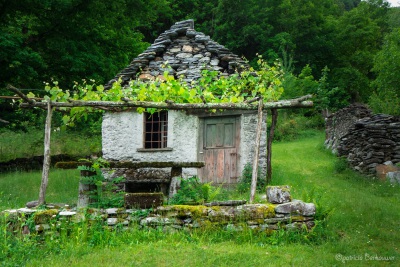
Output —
(342, 51)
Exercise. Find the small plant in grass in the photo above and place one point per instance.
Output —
(193, 191)
(341, 164)
(106, 192)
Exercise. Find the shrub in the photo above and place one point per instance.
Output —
(245, 180)
(193, 191)
(106, 193)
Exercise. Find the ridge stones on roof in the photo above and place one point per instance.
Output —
(186, 51)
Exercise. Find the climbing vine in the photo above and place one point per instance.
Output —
(265, 82)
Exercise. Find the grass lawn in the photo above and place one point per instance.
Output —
(362, 228)
(28, 144)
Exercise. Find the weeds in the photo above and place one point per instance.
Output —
(105, 193)
(194, 192)
(245, 181)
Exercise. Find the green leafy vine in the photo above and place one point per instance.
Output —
(265, 82)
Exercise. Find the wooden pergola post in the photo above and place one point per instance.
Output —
(46, 160)
(256, 152)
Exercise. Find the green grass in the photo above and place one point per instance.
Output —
(17, 188)
(363, 219)
(24, 145)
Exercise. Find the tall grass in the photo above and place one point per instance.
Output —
(364, 212)
(17, 188)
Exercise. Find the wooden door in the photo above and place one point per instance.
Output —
(219, 141)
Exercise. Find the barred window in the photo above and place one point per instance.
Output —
(155, 130)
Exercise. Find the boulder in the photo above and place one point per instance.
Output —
(278, 194)
(393, 177)
(296, 207)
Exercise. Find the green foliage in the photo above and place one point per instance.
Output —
(245, 180)
(105, 192)
(264, 82)
(341, 165)
(386, 97)
(329, 99)
(358, 36)
(193, 191)
(18, 144)
(346, 225)
(292, 126)
(326, 99)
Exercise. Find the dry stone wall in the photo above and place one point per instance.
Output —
(372, 141)
(338, 124)
(285, 213)
(366, 140)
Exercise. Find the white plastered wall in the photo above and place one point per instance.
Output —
(122, 136)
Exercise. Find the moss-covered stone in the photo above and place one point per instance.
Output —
(45, 216)
(255, 211)
(184, 211)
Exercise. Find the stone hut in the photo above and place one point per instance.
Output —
(224, 141)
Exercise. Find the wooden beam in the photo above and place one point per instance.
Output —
(134, 164)
(46, 160)
(22, 95)
(4, 121)
(292, 103)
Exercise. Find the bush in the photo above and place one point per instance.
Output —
(340, 165)
(194, 192)
(291, 125)
(245, 181)
(106, 193)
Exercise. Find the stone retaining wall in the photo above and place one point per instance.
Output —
(283, 214)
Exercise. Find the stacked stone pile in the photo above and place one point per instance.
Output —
(371, 141)
(338, 124)
(184, 53)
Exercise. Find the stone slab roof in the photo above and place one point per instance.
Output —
(186, 52)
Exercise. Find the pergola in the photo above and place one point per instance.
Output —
(301, 102)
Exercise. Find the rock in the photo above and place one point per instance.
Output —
(42, 227)
(111, 211)
(182, 44)
(229, 203)
(32, 204)
(26, 210)
(67, 213)
(296, 207)
(393, 177)
(382, 170)
(112, 221)
(155, 221)
(278, 194)
(187, 48)
(146, 77)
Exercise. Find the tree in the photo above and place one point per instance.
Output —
(358, 37)
(68, 40)
(386, 96)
